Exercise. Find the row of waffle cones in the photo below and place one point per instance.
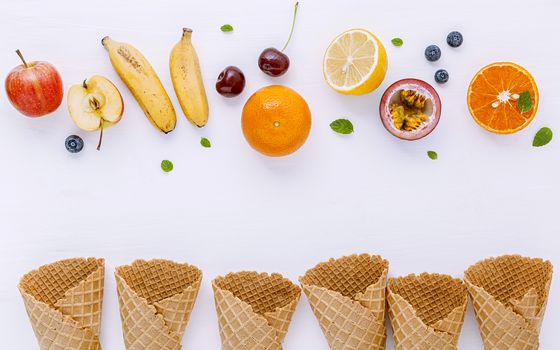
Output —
(349, 296)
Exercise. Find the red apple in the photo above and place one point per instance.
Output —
(34, 88)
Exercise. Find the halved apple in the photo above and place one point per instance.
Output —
(95, 104)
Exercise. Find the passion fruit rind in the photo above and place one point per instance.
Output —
(409, 115)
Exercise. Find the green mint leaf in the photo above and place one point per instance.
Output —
(398, 42)
(205, 142)
(342, 126)
(166, 165)
(432, 155)
(543, 137)
(525, 103)
(227, 28)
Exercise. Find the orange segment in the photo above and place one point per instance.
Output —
(493, 94)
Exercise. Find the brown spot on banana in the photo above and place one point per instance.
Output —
(125, 53)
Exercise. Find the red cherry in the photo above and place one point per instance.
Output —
(231, 82)
(274, 62)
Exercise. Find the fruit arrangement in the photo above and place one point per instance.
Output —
(502, 98)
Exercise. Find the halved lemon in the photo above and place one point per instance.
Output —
(355, 62)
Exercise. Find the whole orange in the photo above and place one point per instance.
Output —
(276, 121)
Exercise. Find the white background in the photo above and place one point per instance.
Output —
(228, 208)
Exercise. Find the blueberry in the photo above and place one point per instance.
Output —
(74, 143)
(433, 53)
(442, 76)
(455, 39)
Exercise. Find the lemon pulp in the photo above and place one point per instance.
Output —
(355, 62)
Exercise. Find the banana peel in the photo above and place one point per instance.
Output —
(187, 80)
(144, 84)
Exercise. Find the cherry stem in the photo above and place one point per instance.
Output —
(22, 59)
(100, 137)
(293, 26)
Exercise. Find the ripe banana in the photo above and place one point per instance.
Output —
(187, 80)
(143, 83)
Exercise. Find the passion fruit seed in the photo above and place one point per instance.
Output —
(405, 119)
(412, 99)
(409, 114)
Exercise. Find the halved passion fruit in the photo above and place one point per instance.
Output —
(410, 109)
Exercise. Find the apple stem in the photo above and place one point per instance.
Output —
(100, 137)
(293, 26)
(22, 59)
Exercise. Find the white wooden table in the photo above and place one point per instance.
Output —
(228, 208)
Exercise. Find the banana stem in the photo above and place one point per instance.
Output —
(100, 137)
(293, 26)
(104, 42)
(187, 33)
(22, 59)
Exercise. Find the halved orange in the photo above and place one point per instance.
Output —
(493, 97)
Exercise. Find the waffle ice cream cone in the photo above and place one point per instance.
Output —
(63, 301)
(156, 298)
(509, 294)
(254, 309)
(426, 311)
(347, 296)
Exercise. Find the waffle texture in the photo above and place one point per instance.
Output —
(156, 298)
(64, 301)
(509, 294)
(347, 296)
(426, 311)
(254, 309)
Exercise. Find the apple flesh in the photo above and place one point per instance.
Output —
(95, 104)
(34, 88)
